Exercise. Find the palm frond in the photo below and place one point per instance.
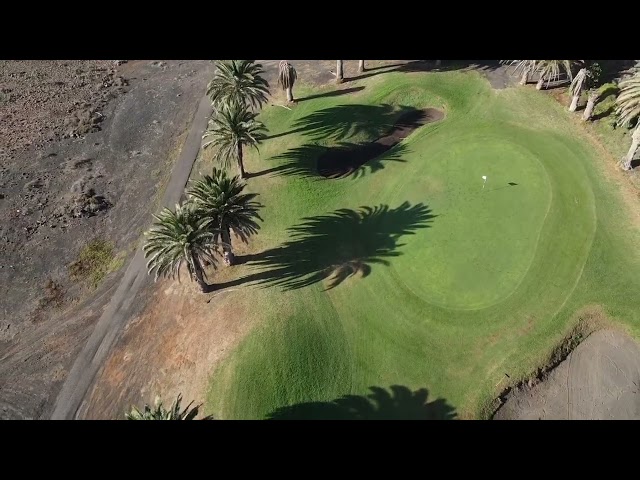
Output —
(521, 66)
(231, 127)
(550, 70)
(287, 75)
(579, 82)
(628, 101)
(238, 81)
(221, 198)
(158, 412)
(177, 238)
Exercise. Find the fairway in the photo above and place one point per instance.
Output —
(407, 271)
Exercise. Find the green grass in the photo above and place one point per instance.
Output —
(409, 273)
(95, 261)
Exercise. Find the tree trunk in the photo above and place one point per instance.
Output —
(197, 271)
(574, 103)
(339, 75)
(540, 83)
(360, 66)
(438, 63)
(591, 104)
(290, 94)
(240, 164)
(228, 257)
(525, 78)
(635, 144)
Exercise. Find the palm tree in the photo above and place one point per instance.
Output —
(339, 74)
(287, 77)
(230, 130)
(586, 79)
(550, 70)
(628, 109)
(220, 197)
(361, 66)
(238, 81)
(526, 67)
(158, 412)
(183, 236)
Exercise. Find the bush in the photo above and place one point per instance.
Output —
(94, 261)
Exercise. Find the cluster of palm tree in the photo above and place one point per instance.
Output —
(237, 91)
(158, 412)
(588, 80)
(199, 230)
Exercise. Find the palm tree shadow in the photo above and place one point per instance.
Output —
(388, 124)
(345, 159)
(299, 161)
(332, 93)
(397, 403)
(343, 122)
(605, 113)
(335, 247)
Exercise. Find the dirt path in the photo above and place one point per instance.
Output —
(117, 313)
(599, 380)
(93, 157)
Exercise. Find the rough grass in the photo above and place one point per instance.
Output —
(377, 296)
(94, 262)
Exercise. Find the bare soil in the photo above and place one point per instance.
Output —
(171, 346)
(85, 148)
(599, 380)
(340, 162)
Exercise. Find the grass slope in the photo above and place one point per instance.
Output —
(408, 272)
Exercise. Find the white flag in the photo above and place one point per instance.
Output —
(484, 177)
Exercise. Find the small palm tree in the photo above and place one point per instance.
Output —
(230, 130)
(183, 236)
(158, 412)
(628, 110)
(524, 67)
(587, 79)
(238, 81)
(551, 70)
(287, 76)
(220, 197)
(339, 74)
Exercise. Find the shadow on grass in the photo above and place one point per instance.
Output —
(335, 246)
(427, 66)
(605, 113)
(397, 403)
(341, 160)
(333, 93)
(343, 122)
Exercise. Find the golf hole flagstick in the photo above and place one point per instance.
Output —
(484, 180)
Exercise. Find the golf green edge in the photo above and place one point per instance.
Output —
(487, 283)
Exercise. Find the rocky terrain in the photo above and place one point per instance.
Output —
(85, 148)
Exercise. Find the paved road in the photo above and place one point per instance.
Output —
(117, 313)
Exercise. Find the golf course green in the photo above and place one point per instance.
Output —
(412, 271)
